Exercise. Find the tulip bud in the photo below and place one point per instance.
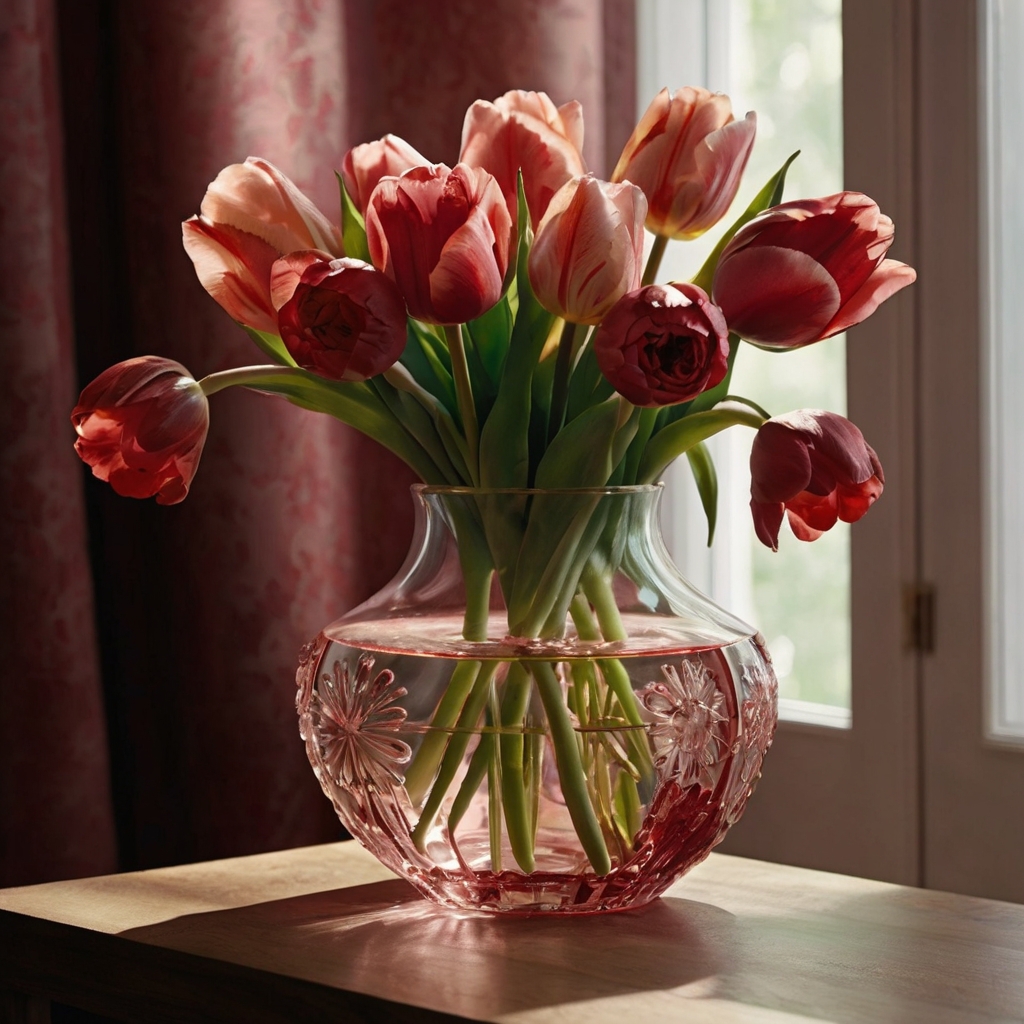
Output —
(525, 131)
(806, 270)
(365, 165)
(816, 467)
(588, 250)
(141, 427)
(663, 344)
(688, 154)
(343, 320)
(251, 215)
(444, 236)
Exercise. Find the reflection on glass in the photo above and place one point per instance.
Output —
(783, 59)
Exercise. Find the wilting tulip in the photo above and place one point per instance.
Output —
(251, 215)
(663, 344)
(525, 130)
(815, 466)
(365, 165)
(589, 247)
(688, 154)
(444, 237)
(806, 270)
(341, 319)
(141, 427)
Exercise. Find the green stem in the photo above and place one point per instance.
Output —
(464, 396)
(478, 766)
(654, 260)
(571, 776)
(456, 749)
(244, 376)
(424, 764)
(599, 592)
(514, 704)
(560, 386)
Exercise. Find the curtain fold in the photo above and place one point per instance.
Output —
(168, 712)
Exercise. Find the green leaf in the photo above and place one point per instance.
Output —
(504, 439)
(679, 437)
(490, 335)
(271, 344)
(703, 468)
(424, 347)
(770, 195)
(358, 405)
(353, 228)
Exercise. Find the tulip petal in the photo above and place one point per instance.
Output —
(888, 278)
(780, 463)
(775, 297)
(232, 266)
(286, 272)
(800, 529)
(461, 276)
(767, 521)
(255, 197)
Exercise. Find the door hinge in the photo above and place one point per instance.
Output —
(919, 617)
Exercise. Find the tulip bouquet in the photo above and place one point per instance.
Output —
(494, 325)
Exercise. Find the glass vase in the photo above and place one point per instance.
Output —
(538, 714)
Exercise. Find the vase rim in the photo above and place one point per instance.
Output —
(462, 489)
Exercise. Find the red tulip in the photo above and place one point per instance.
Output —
(815, 466)
(589, 248)
(806, 270)
(663, 344)
(251, 215)
(688, 154)
(525, 130)
(340, 318)
(365, 165)
(141, 426)
(444, 237)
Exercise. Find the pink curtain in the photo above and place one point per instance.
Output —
(158, 726)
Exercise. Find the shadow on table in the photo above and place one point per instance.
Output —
(385, 939)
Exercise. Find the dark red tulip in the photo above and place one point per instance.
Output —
(342, 319)
(814, 466)
(141, 427)
(806, 270)
(663, 344)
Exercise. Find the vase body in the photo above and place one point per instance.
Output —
(538, 714)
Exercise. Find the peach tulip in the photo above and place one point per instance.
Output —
(806, 270)
(141, 427)
(342, 319)
(444, 236)
(525, 130)
(814, 466)
(365, 165)
(688, 154)
(663, 344)
(588, 251)
(251, 215)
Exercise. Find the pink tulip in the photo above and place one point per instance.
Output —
(588, 251)
(688, 154)
(815, 466)
(343, 319)
(663, 344)
(525, 130)
(444, 237)
(365, 165)
(251, 215)
(141, 427)
(806, 270)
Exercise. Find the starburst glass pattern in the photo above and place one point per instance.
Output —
(760, 715)
(688, 707)
(355, 726)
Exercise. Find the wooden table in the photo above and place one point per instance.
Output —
(326, 934)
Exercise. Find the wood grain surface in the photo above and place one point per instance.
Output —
(327, 933)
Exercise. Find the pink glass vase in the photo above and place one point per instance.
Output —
(538, 714)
